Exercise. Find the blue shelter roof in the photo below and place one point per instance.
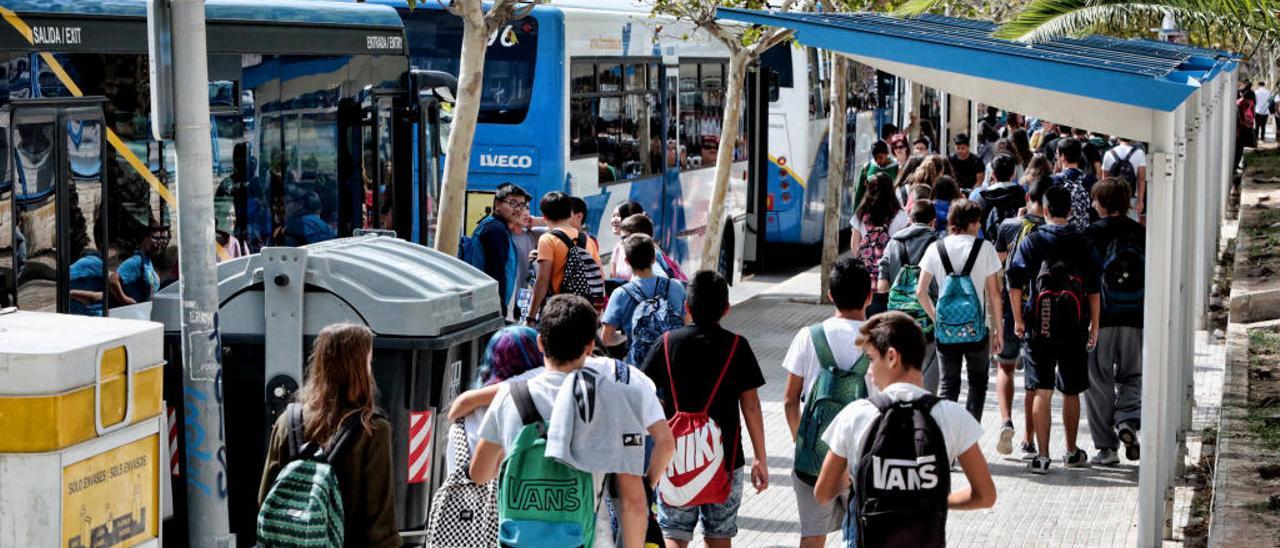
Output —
(1140, 73)
(311, 12)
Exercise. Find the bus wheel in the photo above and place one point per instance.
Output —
(725, 265)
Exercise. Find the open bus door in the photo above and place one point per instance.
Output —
(762, 87)
(55, 255)
(386, 134)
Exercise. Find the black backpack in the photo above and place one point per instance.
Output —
(582, 275)
(1058, 310)
(903, 477)
(1123, 168)
(1001, 203)
(1123, 275)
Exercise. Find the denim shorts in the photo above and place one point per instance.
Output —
(718, 520)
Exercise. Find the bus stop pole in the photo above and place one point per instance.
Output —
(201, 349)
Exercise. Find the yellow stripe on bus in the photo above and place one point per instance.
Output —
(129, 157)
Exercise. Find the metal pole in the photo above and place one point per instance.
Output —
(1157, 336)
(201, 349)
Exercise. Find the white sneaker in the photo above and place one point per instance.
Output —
(1039, 465)
(1005, 445)
(1105, 457)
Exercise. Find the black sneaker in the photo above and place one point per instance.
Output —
(1076, 459)
(1129, 437)
(1039, 465)
(1029, 451)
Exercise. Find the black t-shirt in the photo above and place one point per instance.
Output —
(698, 355)
(967, 170)
(1101, 234)
(1092, 156)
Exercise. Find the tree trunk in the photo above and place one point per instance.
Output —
(462, 131)
(835, 175)
(724, 159)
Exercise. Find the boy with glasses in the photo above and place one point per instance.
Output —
(493, 234)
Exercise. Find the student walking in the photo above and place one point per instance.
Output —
(336, 415)
(1115, 365)
(900, 275)
(874, 447)
(1262, 109)
(565, 254)
(826, 370)
(1127, 161)
(881, 162)
(1072, 177)
(945, 191)
(1060, 321)
(879, 217)
(1008, 235)
(960, 315)
(706, 375)
(968, 167)
(645, 307)
(491, 247)
(531, 421)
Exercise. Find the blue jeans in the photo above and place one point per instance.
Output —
(718, 520)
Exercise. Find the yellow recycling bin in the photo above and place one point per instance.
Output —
(80, 430)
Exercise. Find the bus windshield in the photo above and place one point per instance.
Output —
(435, 38)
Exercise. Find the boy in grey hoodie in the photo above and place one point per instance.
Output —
(916, 239)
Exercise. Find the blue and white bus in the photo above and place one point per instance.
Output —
(579, 97)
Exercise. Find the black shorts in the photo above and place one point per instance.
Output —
(1056, 365)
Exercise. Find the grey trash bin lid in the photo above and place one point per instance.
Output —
(397, 288)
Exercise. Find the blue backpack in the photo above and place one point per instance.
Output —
(961, 317)
(470, 249)
(652, 317)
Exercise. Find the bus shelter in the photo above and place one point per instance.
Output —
(1179, 99)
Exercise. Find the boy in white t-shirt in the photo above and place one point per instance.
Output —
(895, 346)
(851, 293)
(566, 336)
(964, 220)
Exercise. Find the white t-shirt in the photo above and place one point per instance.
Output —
(802, 360)
(899, 222)
(958, 246)
(851, 428)
(1263, 95)
(1118, 152)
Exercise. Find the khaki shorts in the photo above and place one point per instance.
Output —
(817, 520)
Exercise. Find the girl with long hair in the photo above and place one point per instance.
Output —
(877, 219)
(945, 191)
(338, 390)
(1021, 147)
(1038, 168)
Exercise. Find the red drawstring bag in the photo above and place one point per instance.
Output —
(696, 475)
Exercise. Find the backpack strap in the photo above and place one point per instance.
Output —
(524, 403)
(633, 292)
(671, 380)
(861, 366)
(946, 259)
(564, 238)
(294, 434)
(711, 397)
(342, 438)
(821, 347)
(621, 372)
(903, 258)
(1132, 150)
(973, 257)
(661, 286)
(926, 402)
(882, 401)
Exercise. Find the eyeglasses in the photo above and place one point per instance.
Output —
(516, 204)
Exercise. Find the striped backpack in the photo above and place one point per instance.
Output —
(304, 506)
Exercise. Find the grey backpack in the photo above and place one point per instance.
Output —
(464, 514)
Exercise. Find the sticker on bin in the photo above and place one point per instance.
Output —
(420, 425)
(112, 498)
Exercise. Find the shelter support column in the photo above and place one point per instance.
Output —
(1203, 212)
(1160, 349)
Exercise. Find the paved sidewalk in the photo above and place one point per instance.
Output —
(1079, 507)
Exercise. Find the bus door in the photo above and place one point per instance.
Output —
(385, 129)
(762, 87)
(666, 231)
(427, 170)
(57, 254)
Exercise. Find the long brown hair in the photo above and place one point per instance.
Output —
(339, 382)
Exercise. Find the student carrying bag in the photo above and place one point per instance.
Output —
(696, 475)
(903, 478)
(541, 501)
(961, 317)
(304, 505)
(832, 391)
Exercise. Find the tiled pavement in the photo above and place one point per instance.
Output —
(1081, 507)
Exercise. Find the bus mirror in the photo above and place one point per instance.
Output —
(772, 83)
(442, 85)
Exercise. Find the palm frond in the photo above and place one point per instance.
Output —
(916, 7)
